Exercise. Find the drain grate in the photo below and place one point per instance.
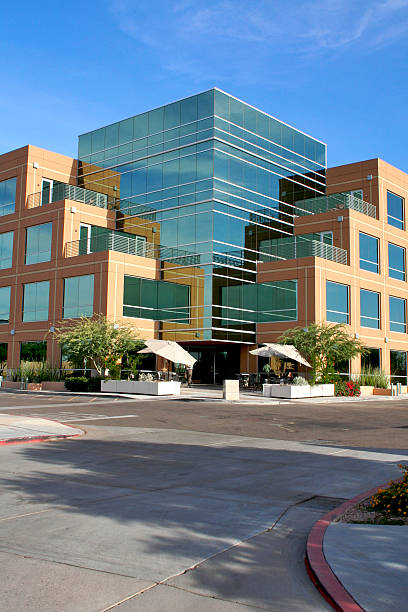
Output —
(320, 502)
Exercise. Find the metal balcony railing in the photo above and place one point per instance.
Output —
(336, 201)
(297, 249)
(63, 191)
(130, 245)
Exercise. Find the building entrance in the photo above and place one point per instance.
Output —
(215, 364)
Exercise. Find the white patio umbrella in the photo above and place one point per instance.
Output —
(169, 350)
(283, 351)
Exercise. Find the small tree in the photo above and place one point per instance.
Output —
(96, 340)
(323, 345)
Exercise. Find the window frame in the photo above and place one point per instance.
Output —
(339, 311)
(390, 322)
(399, 221)
(37, 253)
(23, 310)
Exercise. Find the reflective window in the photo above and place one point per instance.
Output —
(78, 296)
(158, 300)
(3, 354)
(35, 301)
(33, 351)
(371, 360)
(398, 321)
(8, 196)
(369, 309)
(396, 261)
(369, 253)
(395, 209)
(398, 369)
(38, 243)
(5, 304)
(6, 250)
(337, 302)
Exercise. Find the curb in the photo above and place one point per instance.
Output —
(320, 572)
(27, 439)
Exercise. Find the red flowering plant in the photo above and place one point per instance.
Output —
(347, 389)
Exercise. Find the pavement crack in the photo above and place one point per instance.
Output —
(234, 601)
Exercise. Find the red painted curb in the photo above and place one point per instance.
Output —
(38, 439)
(317, 567)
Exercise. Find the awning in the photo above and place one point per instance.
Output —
(283, 351)
(169, 350)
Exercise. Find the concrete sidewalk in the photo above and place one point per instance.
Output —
(359, 567)
(27, 429)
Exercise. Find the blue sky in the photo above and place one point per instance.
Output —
(336, 69)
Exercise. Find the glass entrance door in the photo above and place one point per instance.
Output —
(84, 239)
(46, 191)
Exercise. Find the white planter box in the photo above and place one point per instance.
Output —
(141, 387)
(326, 390)
(298, 391)
(286, 391)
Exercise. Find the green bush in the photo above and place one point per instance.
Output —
(393, 501)
(35, 371)
(77, 383)
(347, 389)
(94, 384)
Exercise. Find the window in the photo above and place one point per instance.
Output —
(372, 359)
(6, 250)
(395, 209)
(398, 318)
(158, 300)
(33, 351)
(369, 309)
(38, 243)
(35, 301)
(398, 367)
(369, 253)
(396, 261)
(78, 296)
(3, 354)
(5, 304)
(8, 196)
(84, 239)
(46, 191)
(337, 302)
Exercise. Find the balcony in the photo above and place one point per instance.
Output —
(110, 240)
(337, 201)
(62, 191)
(298, 248)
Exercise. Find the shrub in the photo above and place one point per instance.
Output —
(94, 383)
(374, 377)
(299, 380)
(35, 371)
(347, 389)
(146, 377)
(394, 499)
(77, 383)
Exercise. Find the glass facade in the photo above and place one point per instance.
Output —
(6, 250)
(372, 359)
(398, 315)
(396, 261)
(7, 196)
(5, 304)
(35, 301)
(395, 210)
(216, 179)
(369, 309)
(38, 243)
(337, 303)
(158, 300)
(78, 297)
(369, 253)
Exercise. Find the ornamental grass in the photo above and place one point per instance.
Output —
(392, 500)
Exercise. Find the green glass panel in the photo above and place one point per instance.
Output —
(369, 309)
(337, 302)
(398, 307)
(35, 301)
(5, 304)
(78, 296)
(38, 243)
(7, 196)
(205, 103)
(6, 250)
(395, 206)
(396, 262)
(369, 253)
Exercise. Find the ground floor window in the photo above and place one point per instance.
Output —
(3, 354)
(372, 359)
(33, 351)
(398, 367)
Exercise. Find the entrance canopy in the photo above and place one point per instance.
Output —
(283, 351)
(169, 350)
